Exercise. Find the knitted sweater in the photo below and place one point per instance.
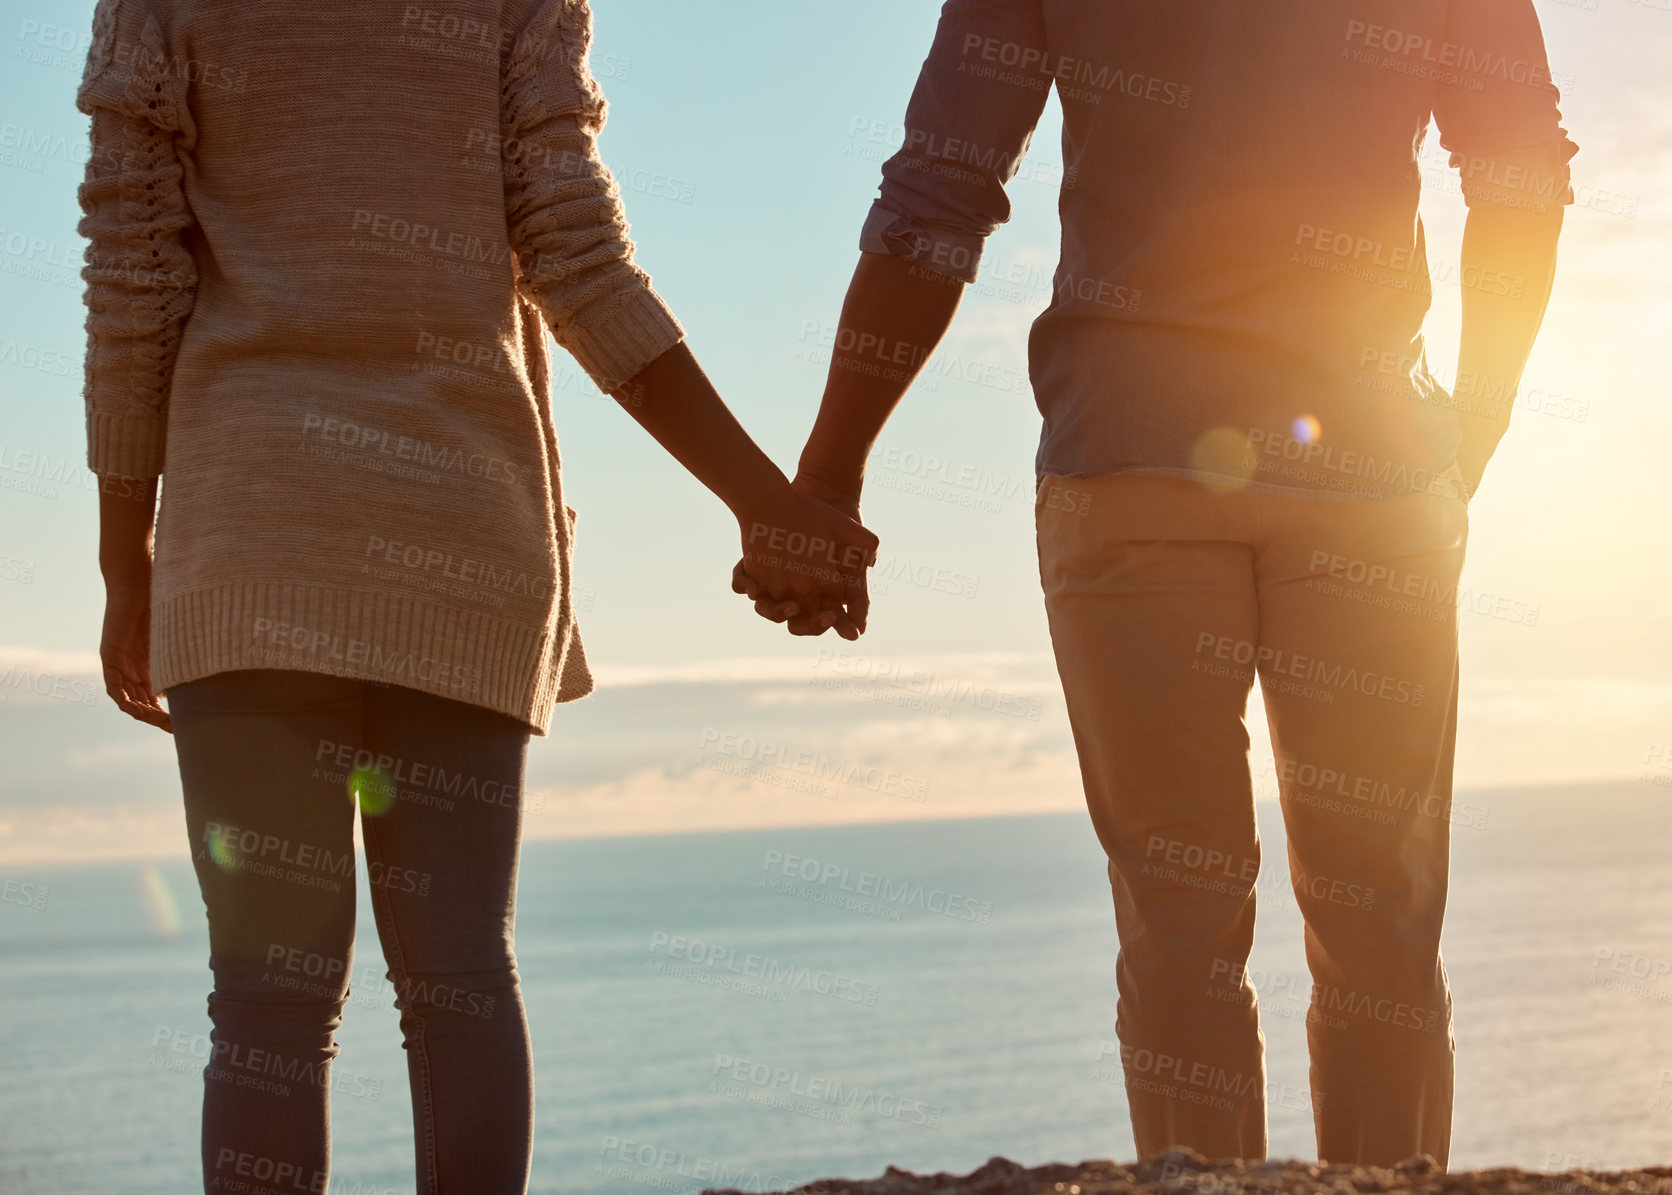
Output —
(326, 242)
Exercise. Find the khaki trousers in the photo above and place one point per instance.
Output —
(1164, 601)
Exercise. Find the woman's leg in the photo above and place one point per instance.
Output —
(272, 843)
(442, 860)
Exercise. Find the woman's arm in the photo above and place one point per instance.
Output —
(799, 549)
(141, 287)
(126, 515)
(570, 235)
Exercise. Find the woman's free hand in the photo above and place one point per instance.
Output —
(125, 649)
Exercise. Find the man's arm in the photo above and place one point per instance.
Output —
(894, 312)
(823, 577)
(924, 235)
(1504, 131)
(1517, 248)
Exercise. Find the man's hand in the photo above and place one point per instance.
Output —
(829, 562)
(1471, 463)
(125, 649)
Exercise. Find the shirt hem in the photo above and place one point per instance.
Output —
(400, 639)
(1232, 483)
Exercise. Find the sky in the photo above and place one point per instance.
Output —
(748, 144)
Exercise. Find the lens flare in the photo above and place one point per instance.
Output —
(1307, 429)
(222, 854)
(156, 898)
(374, 787)
(1223, 461)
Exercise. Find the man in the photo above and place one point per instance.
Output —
(1246, 467)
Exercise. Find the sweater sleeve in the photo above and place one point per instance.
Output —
(141, 279)
(563, 208)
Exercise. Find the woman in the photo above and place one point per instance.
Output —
(326, 243)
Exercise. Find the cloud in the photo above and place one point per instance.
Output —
(838, 736)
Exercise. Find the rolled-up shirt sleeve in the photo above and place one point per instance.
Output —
(969, 125)
(563, 207)
(1497, 107)
(141, 277)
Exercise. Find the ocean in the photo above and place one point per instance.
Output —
(676, 984)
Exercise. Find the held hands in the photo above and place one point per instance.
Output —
(804, 562)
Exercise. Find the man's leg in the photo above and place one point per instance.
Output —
(1142, 590)
(1358, 665)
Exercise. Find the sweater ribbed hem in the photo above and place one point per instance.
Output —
(396, 639)
(635, 334)
(126, 444)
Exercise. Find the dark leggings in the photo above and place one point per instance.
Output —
(269, 761)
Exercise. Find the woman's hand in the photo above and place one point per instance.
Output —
(126, 511)
(751, 575)
(125, 649)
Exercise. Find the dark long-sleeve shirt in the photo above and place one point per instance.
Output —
(1243, 277)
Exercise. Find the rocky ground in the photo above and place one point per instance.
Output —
(1182, 1172)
